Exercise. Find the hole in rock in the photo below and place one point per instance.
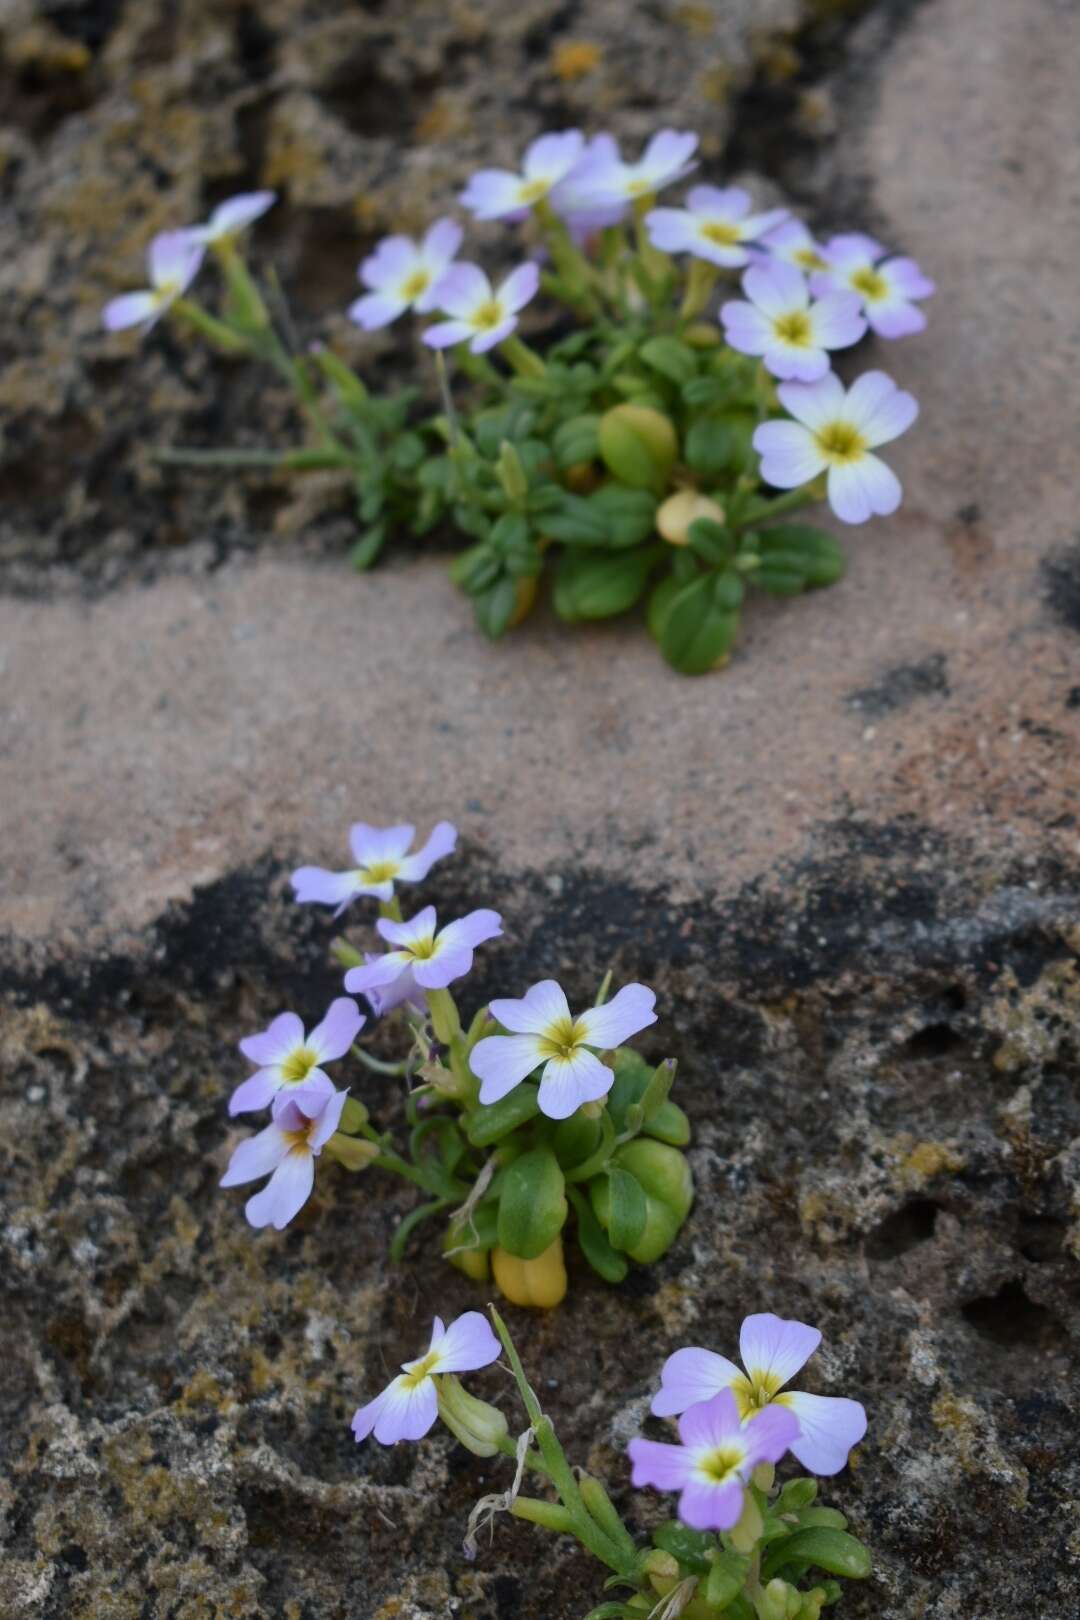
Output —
(913, 1223)
(932, 1041)
(1040, 1237)
(1009, 1318)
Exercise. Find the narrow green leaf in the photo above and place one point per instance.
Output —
(820, 1548)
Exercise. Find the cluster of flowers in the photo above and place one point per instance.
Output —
(739, 1545)
(638, 1191)
(646, 440)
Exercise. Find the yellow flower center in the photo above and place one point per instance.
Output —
(722, 233)
(869, 283)
(793, 328)
(561, 1039)
(298, 1065)
(488, 314)
(300, 1140)
(638, 188)
(840, 443)
(719, 1465)
(421, 1370)
(422, 950)
(807, 259)
(533, 190)
(753, 1394)
(378, 872)
(417, 283)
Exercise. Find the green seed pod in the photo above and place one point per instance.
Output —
(478, 1425)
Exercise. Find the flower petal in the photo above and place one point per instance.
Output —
(657, 1463)
(723, 203)
(486, 339)
(813, 404)
(255, 1092)
(714, 1422)
(776, 288)
(440, 244)
(566, 1083)
(829, 1425)
(130, 309)
(879, 409)
(672, 230)
(519, 287)
(444, 967)
(237, 212)
(472, 930)
(691, 1376)
(711, 1507)
(463, 287)
(173, 259)
(624, 1015)
(745, 327)
(551, 157)
(370, 844)
(865, 487)
(325, 888)
(404, 1411)
(794, 362)
(286, 1193)
(445, 334)
(332, 1038)
(894, 317)
(377, 971)
(905, 277)
(769, 1434)
(441, 841)
(542, 1005)
(852, 251)
(467, 1344)
(254, 1157)
(774, 1347)
(492, 194)
(392, 262)
(418, 930)
(837, 320)
(328, 1119)
(789, 453)
(273, 1044)
(500, 1062)
(375, 310)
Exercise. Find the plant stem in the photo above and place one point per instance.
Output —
(788, 502)
(271, 460)
(596, 1161)
(377, 1065)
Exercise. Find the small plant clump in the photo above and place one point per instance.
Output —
(519, 1121)
(648, 447)
(741, 1544)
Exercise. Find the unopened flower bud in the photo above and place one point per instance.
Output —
(477, 1424)
(510, 472)
(747, 1532)
(355, 1153)
(662, 1569)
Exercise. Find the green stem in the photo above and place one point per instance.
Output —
(596, 1161)
(444, 1016)
(218, 332)
(389, 1160)
(271, 460)
(533, 1459)
(525, 361)
(377, 1065)
(788, 502)
(391, 909)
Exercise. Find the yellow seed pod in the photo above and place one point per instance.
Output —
(675, 515)
(540, 1282)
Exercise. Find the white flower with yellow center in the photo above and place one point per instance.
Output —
(773, 1350)
(286, 1058)
(886, 286)
(172, 260)
(404, 274)
(546, 1033)
(501, 194)
(409, 1405)
(778, 322)
(381, 861)
(234, 215)
(836, 432)
(716, 225)
(792, 243)
(481, 315)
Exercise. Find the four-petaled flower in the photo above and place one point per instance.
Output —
(712, 1465)
(792, 243)
(544, 1031)
(838, 431)
(480, 314)
(433, 960)
(886, 288)
(715, 225)
(772, 1350)
(404, 274)
(604, 177)
(572, 198)
(381, 861)
(791, 334)
(302, 1122)
(172, 260)
(232, 216)
(408, 1406)
(287, 1058)
(500, 194)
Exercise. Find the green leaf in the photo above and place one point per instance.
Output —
(367, 548)
(639, 445)
(407, 1226)
(672, 359)
(476, 568)
(700, 627)
(591, 584)
(659, 603)
(628, 1209)
(713, 543)
(668, 1124)
(821, 558)
(576, 441)
(796, 1494)
(781, 576)
(822, 1517)
(605, 1261)
(494, 607)
(490, 1122)
(408, 452)
(690, 1547)
(478, 1230)
(708, 446)
(575, 1139)
(572, 520)
(628, 515)
(532, 1204)
(832, 1550)
(725, 1578)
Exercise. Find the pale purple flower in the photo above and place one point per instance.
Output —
(404, 991)
(433, 960)
(287, 1058)
(712, 1465)
(838, 430)
(404, 274)
(301, 1124)
(792, 243)
(172, 260)
(715, 225)
(791, 334)
(887, 286)
(544, 1031)
(773, 1350)
(605, 178)
(233, 216)
(381, 861)
(501, 194)
(481, 315)
(408, 1406)
(572, 198)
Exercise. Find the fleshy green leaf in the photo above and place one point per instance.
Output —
(367, 548)
(532, 1204)
(490, 1122)
(820, 1548)
(672, 359)
(700, 627)
(628, 1209)
(591, 584)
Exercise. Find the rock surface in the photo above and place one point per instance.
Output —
(849, 864)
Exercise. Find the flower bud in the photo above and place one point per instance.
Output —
(477, 1424)
(540, 1282)
(747, 1532)
(763, 1476)
(355, 1153)
(675, 515)
(772, 1604)
(354, 1116)
(639, 445)
(510, 473)
(702, 336)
